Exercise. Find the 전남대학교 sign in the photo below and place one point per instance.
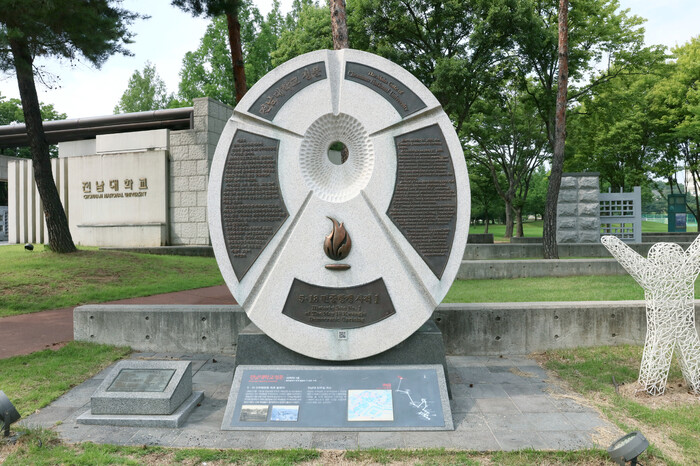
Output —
(339, 204)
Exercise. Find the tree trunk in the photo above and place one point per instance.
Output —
(60, 239)
(519, 222)
(234, 40)
(509, 220)
(339, 25)
(550, 213)
(486, 223)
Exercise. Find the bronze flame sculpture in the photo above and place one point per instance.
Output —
(337, 245)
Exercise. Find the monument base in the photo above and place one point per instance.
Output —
(425, 346)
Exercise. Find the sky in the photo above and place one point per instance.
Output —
(82, 91)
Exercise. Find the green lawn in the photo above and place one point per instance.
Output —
(37, 280)
(40, 280)
(534, 229)
(672, 427)
(587, 288)
(33, 381)
(530, 229)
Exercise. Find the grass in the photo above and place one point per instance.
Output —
(33, 381)
(672, 427)
(41, 279)
(534, 229)
(587, 288)
(530, 228)
(41, 447)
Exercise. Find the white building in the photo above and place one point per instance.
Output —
(129, 180)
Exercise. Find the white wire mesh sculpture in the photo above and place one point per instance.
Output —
(668, 278)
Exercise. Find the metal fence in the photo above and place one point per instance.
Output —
(621, 215)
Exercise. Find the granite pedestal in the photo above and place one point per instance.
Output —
(144, 393)
(425, 346)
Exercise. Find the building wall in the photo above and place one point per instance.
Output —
(191, 153)
(189, 156)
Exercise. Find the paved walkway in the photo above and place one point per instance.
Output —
(507, 403)
(27, 333)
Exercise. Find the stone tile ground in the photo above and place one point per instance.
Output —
(499, 403)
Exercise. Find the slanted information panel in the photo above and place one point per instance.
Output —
(338, 398)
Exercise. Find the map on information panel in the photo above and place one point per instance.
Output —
(370, 405)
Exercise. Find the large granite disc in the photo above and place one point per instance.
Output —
(394, 204)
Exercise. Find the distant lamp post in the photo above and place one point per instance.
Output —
(8, 414)
(628, 448)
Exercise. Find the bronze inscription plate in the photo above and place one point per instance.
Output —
(252, 208)
(141, 380)
(352, 307)
(424, 203)
(270, 101)
(404, 100)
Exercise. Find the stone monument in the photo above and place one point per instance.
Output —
(339, 204)
(142, 393)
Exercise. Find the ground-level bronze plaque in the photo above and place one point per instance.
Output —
(351, 307)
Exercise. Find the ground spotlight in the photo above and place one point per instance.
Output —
(8, 414)
(628, 448)
(29, 247)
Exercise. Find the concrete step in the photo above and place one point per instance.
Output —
(518, 251)
(497, 269)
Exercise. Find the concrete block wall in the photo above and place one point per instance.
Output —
(578, 208)
(467, 328)
(191, 153)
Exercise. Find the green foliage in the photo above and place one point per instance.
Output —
(451, 46)
(145, 91)
(40, 280)
(11, 112)
(95, 30)
(259, 37)
(675, 110)
(598, 30)
(35, 380)
(509, 140)
(308, 28)
(611, 132)
(486, 206)
(208, 8)
(207, 71)
(537, 195)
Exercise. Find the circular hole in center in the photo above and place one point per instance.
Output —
(338, 153)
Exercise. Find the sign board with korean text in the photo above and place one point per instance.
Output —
(123, 195)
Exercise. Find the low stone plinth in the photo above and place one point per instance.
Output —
(143, 387)
(144, 394)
